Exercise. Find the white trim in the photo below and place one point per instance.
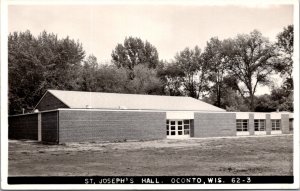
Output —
(276, 115)
(49, 111)
(242, 115)
(22, 114)
(242, 133)
(34, 113)
(180, 115)
(260, 132)
(178, 137)
(139, 110)
(276, 132)
(259, 115)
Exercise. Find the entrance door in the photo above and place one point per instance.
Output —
(178, 128)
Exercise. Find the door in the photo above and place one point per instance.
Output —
(178, 128)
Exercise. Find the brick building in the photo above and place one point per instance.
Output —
(73, 116)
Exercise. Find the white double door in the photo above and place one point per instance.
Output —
(178, 128)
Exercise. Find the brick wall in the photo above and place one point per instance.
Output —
(285, 126)
(192, 128)
(50, 102)
(268, 124)
(251, 124)
(23, 127)
(84, 125)
(50, 127)
(214, 124)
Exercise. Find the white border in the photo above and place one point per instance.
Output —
(252, 3)
(4, 97)
(296, 72)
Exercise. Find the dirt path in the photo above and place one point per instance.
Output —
(237, 156)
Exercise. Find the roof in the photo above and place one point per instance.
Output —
(99, 100)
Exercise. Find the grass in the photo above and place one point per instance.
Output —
(268, 155)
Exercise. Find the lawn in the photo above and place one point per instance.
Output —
(257, 155)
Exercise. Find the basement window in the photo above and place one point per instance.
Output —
(259, 125)
(276, 124)
(242, 124)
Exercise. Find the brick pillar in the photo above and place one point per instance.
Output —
(192, 128)
(251, 123)
(268, 124)
(285, 126)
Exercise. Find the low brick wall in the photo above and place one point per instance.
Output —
(214, 124)
(85, 125)
(23, 126)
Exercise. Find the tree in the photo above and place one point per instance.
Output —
(109, 78)
(283, 100)
(172, 77)
(146, 81)
(285, 47)
(36, 64)
(251, 62)
(230, 99)
(195, 80)
(134, 52)
(89, 74)
(278, 99)
(216, 58)
(264, 103)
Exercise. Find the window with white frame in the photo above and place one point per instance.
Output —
(242, 124)
(276, 124)
(172, 128)
(186, 126)
(259, 125)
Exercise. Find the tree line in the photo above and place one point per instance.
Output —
(226, 73)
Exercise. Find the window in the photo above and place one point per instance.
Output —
(173, 128)
(291, 124)
(259, 125)
(167, 127)
(242, 124)
(186, 127)
(179, 127)
(276, 124)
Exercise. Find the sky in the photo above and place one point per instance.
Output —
(170, 28)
